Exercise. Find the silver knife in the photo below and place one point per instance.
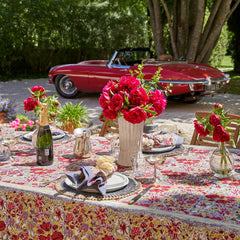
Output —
(132, 201)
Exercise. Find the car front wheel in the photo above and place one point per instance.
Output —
(65, 87)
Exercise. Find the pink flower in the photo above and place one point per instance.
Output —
(128, 83)
(116, 102)
(218, 105)
(200, 129)
(214, 120)
(30, 123)
(138, 97)
(15, 124)
(24, 126)
(135, 115)
(220, 134)
(17, 120)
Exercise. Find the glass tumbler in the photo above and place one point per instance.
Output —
(4, 152)
(142, 170)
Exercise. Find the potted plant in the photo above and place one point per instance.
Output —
(71, 116)
(7, 110)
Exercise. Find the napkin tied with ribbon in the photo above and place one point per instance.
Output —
(86, 178)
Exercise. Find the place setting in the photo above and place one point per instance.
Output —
(58, 135)
(100, 182)
(162, 143)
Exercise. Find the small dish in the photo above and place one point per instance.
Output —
(160, 149)
(56, 135)
(114, 183)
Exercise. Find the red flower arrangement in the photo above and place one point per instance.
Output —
(39, 96)
(129, 98)
(215, 125)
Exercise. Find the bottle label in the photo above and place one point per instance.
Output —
(44, 156)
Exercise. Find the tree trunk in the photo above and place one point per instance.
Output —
(215, 25)
(189, 37)
(195, 27)
(157, 26)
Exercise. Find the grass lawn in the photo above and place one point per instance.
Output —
(227, 67)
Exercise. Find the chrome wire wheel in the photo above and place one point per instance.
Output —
(65, 87)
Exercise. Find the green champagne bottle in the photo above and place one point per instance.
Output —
(44, 140)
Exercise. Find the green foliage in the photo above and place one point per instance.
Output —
(221, 48)
(234, 87)
(38, 34)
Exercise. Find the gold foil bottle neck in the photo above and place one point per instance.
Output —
(44, 115)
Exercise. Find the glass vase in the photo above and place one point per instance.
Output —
(222, 161)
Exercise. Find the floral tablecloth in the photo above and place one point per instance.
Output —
(187, 203)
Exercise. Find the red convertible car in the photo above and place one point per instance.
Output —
(190, 81)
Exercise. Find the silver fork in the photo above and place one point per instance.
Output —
(44, 184)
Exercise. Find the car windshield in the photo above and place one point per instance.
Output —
(131, 57)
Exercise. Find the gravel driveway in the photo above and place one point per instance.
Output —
(177, 117)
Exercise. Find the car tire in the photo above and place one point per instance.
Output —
(65, 87)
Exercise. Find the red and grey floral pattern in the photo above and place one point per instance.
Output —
(188, 203)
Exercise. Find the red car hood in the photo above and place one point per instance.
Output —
(190, 71)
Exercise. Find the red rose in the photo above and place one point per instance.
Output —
(218, 105)
(2, 225)
(135, 115)
(138, 97)
(128, 83)
(104, 100)
(116, 102)
(214, 120)
(200, 129)
(220, 134)
(109, 114)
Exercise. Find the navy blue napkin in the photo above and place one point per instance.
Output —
(87, 179)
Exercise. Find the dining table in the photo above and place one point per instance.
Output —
(186, 202)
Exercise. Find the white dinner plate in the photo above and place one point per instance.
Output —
(55, 135)
(114, 183)
(160, 150)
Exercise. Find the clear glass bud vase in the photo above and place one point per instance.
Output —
(222, 161)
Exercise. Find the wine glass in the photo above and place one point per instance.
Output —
(156, 160)
(8, 136)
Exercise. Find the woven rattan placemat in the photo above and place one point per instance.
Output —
(131, 188)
